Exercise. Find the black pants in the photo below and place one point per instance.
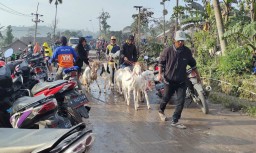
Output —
(169, 90)
(113, 75)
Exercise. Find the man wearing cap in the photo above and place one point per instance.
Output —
(112, 48)
(175, 60)
(128, 53)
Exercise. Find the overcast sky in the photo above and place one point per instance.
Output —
(76, 14)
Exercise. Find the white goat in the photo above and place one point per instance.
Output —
(90, 75)
(128, 80)
(141, 84)
(107, 73)
(118, 78)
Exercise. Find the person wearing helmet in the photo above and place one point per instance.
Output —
(47, 54)
(65, 56)
(175, 59)
(112, 48)
(128, 53)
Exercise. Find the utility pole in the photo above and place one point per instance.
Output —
(37, 20)
(138, 7)
(99, 25)
(92, 26)
(165, 12)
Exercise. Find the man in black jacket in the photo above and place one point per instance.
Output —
(128, 53)
(175, 59)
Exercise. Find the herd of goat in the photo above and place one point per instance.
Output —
(126, 80)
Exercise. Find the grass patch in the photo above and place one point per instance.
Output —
(233, 103)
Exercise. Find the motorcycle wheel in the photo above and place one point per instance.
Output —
(74, 117)
(203, 104)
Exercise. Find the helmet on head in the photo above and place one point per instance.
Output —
(63, 40)
(131, 37)
(113, 37)
(180, 35)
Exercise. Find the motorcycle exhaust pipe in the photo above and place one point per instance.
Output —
(207, 91)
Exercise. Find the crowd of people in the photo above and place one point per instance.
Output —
(174, 59)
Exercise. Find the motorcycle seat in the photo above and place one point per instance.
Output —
(16, 140)
(24, 101)
(44, 85)
(74, 68)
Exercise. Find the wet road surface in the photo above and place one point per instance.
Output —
(121, 129)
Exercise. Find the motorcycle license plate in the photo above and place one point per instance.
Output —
(78, 101)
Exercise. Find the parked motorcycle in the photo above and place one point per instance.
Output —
(38, 66)
(10, 90)
(72, 75)
(195, 91)
(75, 140)
(26, 111)
(71, 103)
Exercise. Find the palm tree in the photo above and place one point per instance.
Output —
(56, 4)
(220, 27)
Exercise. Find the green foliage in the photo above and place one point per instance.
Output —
(237, 61)
(251, 110)
(9, 36)
(104, 16)
(245, 32)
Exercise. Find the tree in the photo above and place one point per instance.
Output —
(1, 36)
(9, 36)
(57, 2)
(220, 27)
(104, 16)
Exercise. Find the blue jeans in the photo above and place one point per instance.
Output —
(169, 90)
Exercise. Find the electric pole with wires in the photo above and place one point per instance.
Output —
(139, 38)
(37, 20)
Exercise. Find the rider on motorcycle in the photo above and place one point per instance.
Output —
(128, 53)
(65, 55)
(112, 48)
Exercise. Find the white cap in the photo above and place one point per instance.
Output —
(180, 35)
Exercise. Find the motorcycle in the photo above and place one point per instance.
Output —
(10, 90)
(36, 62)
(27, 112)
(23, 71)
(75, 140)
(72, 104)
(72, 75)
(195, 91)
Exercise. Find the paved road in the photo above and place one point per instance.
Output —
(121, 129)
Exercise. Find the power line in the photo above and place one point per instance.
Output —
(12, 11)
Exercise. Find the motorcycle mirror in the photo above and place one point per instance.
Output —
(8, 53)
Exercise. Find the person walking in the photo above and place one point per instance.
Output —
(175, 60)
(82, 54)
